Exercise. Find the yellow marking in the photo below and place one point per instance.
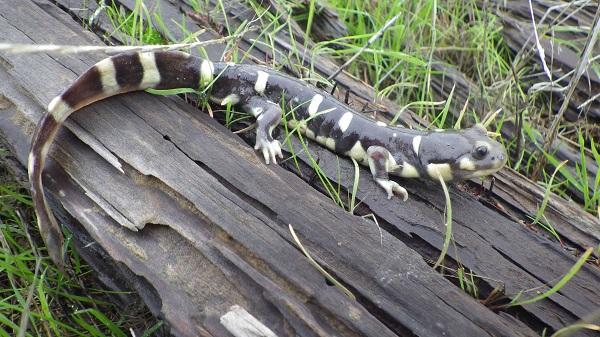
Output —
(440, 170)
(30, 163)
(380, 123)
(416, 143)
(151, 75)
(467, 164)
(409, 171)
(326, 141)
(59, 109)
(261, 82)
(108, 75)
(330, 143)
(357, 152)
(206, 73)
(310, 134)
(344, 122)
(314, 104)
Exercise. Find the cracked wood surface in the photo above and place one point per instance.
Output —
(216, 218)
(578, 227)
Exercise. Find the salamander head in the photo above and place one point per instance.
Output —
(462, 154)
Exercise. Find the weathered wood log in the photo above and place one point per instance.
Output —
(326, 24)
(523, 207)
(212, 219)
(363, 94)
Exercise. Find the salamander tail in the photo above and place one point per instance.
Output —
(114, 75)
(49, 228)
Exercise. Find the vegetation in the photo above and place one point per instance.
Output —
(405, 64)
(36, 297)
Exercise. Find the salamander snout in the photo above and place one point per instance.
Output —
(500, 157)
(460, 154)
(486, 157)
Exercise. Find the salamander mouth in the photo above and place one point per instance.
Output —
(467, 167)
(483, 173)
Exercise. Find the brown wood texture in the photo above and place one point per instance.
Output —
(212, 219)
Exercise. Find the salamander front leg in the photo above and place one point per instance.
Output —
(381, 163)
(268, 116)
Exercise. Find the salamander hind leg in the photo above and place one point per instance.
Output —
(268, 116)
(381, 163)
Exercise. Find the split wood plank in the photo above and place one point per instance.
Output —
(224, 213)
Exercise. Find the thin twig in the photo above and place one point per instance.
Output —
(17, 48)
(447, 224)
(589, 101)
(579, 70)
(549, 86)
(538, 44)
(370, 42)
(318, 267)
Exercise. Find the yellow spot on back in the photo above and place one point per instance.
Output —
(314, 104)
(344, 122)
(416, 143)
(261, 82)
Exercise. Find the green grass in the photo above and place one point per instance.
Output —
(135, 24)
(464, 35)
(468, 37)
(401, 66)
(37, 300)
(568, 276)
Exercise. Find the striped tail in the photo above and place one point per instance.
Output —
(109, 77)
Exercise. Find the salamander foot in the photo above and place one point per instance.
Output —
(392, 187)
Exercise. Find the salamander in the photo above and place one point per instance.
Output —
(264, 93)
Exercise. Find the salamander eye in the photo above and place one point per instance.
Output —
(480, 152)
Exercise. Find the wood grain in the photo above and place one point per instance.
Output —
(212, 218)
